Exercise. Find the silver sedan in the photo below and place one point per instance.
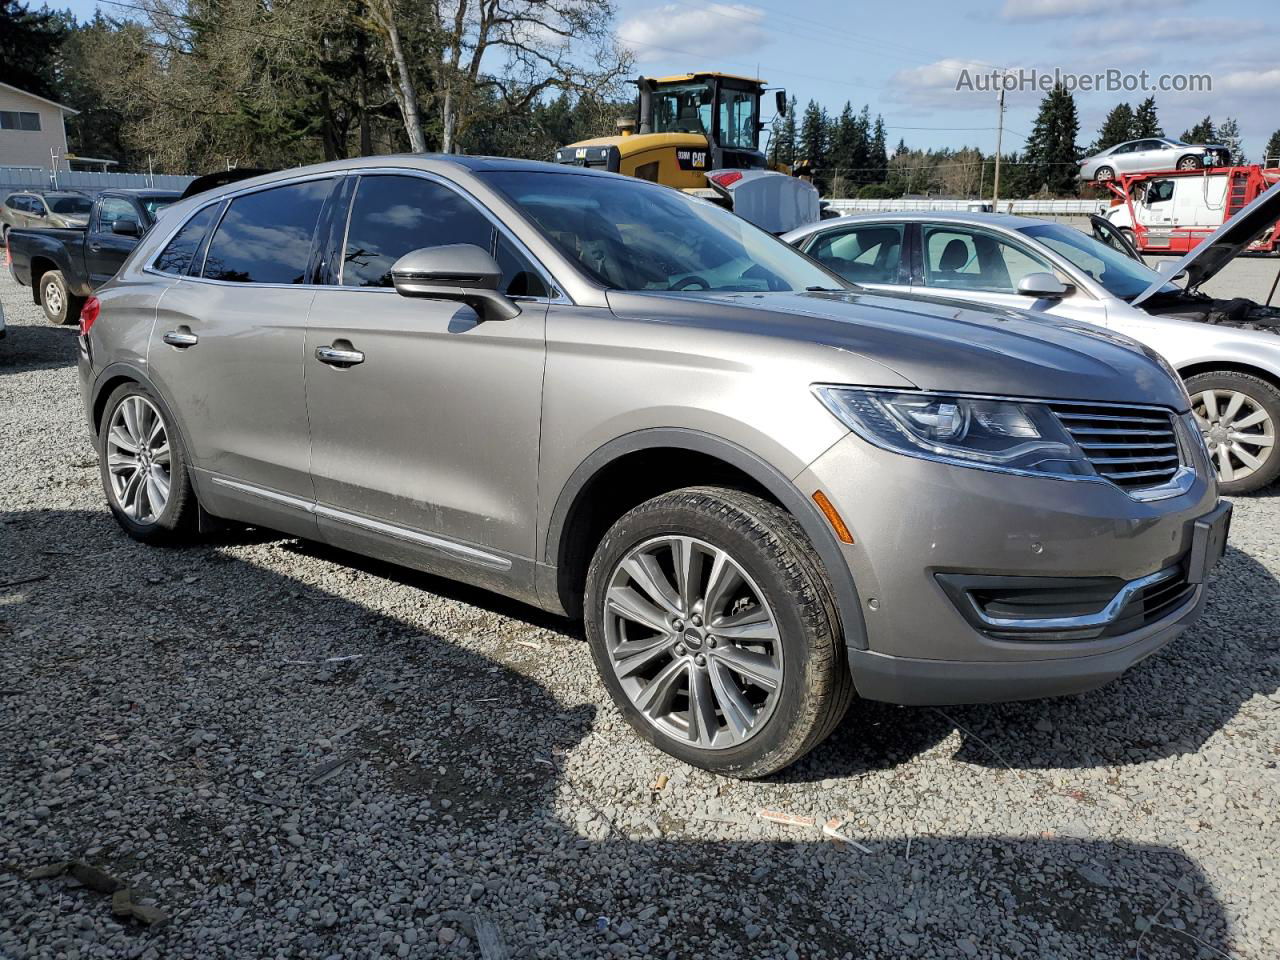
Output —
(1228, 353)
(1152, 153)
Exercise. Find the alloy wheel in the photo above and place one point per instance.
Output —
(693, 642)
(138, 459)
(1239, 432)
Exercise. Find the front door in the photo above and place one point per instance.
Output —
(227, 350)
(105, 249)
(1104, 231)
(425, 436)
(982, 266)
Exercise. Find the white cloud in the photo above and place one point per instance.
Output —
(934, 85)
(659, 33)
(1170, 29)
(1062, 9)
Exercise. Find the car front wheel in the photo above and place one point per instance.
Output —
(1238, 414)
(713, 627)
(1189, 163)
(144, 467)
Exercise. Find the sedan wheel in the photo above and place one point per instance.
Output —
(1240, 432)
(1189, 163)
(693, 642)
(1104, 174)
(138, 460)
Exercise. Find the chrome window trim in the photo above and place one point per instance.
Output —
(452, 548)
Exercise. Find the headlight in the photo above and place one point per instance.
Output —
(1016, 436)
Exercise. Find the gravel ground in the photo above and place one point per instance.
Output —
(461, 787)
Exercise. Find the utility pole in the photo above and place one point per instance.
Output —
(995, 189)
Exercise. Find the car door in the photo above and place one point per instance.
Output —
(1104, 231)
(1151, 155)
(425, 448)
(1123, 159)
(868, 254)
(31, 211)
(227, 350)
(105, 249)
(984, 266)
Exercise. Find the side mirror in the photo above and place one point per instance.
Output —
(780, 100)
(126, 228)
(1043, 286)
(460, 271)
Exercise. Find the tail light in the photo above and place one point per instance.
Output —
(725, 180)
(88, 314)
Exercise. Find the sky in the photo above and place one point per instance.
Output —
(905, 58)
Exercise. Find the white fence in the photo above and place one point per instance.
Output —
(1058, 208)
(26, 178)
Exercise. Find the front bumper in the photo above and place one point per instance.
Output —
(921, 527)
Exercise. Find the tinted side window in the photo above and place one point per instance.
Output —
(265, 237)
(965, 259)
(177, 255)
(394, 215)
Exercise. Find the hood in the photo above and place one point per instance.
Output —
(935, 344)
(1223, 245)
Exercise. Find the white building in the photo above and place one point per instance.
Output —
(32, 130)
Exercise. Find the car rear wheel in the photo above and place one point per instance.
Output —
(712, 625)
(1190, 163)
(60, 305)
(1104, 174)
(1238, 415)
(144, 467)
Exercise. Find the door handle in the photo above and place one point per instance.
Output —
(339, 357)
(181, 338)
(95, 247)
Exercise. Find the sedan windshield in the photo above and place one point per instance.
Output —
(632, 235)
(1122, 276)
(69, 206)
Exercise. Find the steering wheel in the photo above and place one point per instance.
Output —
(684, 283)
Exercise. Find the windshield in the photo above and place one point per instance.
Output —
(1122, 276)
(154, 205)
(682, 108)
(69, 206)
(738, 127)
(631, 235)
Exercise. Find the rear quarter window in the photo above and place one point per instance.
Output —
(176, 257)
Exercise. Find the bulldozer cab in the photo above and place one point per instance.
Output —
(723, 108)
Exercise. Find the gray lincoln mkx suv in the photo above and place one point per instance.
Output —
(763, 489)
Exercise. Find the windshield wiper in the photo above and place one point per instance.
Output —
(817, 289)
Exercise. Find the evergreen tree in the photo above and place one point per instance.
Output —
(782, 148)
(879, 159)
(1272, 155)
(29, 45)
(1118, 127)
(812, 145)
(1229, 137)
(1145, 121)
(1051, 155)
(1202, 132)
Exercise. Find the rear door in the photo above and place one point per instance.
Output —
(426, 449)
(227, 349)
(105, 249)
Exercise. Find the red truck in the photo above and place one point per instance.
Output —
(1172, 211)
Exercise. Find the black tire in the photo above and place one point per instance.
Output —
(1190, 162)
(59, 303)
(1104, 174)
(769, 545)
(178, 521)
(1266, 397)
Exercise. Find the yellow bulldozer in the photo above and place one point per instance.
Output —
(700, 133)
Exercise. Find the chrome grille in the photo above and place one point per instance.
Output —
(1133, 447)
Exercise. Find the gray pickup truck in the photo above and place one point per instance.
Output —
(64, 265)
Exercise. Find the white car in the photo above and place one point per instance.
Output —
(1227, 351)
(1152, 153)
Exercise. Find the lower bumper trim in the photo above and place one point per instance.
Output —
(913, 682)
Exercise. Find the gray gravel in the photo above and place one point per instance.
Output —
(460, 787)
